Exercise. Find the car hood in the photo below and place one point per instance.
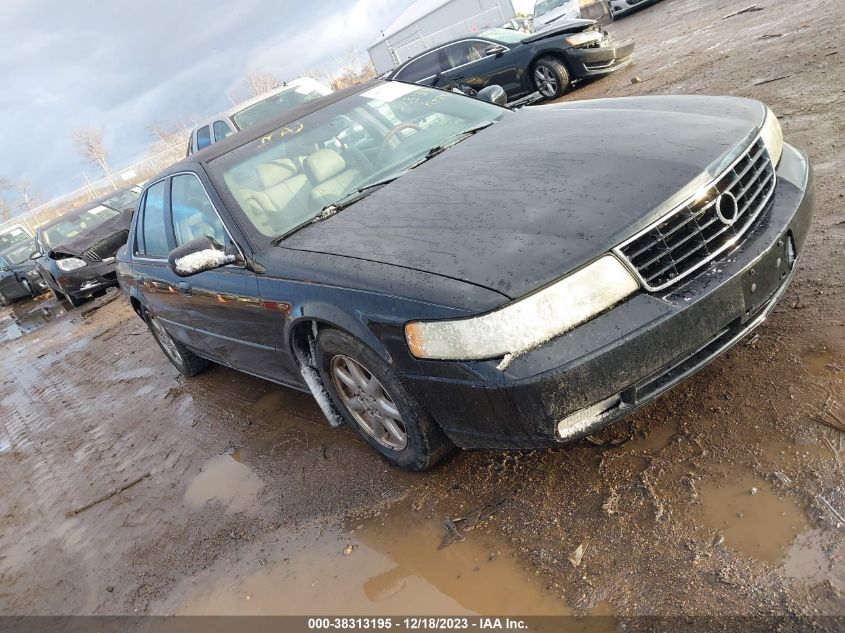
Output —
(104, 238)
(542, 192)
(557, 27)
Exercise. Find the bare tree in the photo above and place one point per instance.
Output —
(260, 81)
(353, 70)
(171, 138)
(5, 209)
(318, 74)
(89, 144)
(26, 193)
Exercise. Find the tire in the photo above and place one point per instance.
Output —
(183, 359)
(64, 298)
(550, 77)
(425, 443)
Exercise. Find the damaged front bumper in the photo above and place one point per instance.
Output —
(598, 61)
(606, 368)
(83, 282)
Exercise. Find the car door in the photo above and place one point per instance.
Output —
(223, 306)
(469, 62)
(156, 282)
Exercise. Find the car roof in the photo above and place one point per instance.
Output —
(253, 132)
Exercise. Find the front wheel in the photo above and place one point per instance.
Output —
(367, 392)
(183, 359)
(551, 79)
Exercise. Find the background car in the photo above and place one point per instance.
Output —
(549, 13)
(521, 63)
(75, 252)
(13, 234)
(620, 8)
(18, 276)
(430, 293)
(255, 110)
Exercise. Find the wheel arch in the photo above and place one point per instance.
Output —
(311, 321)
(557, 55)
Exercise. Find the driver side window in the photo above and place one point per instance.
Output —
(193, 214)
(464, 53)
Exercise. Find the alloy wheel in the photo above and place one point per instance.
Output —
(368, 402)
(545, 81)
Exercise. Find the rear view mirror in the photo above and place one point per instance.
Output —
(494, 94)
(494, 50)
(199, 255)
(35, 255)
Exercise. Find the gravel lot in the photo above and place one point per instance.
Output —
(722, 501)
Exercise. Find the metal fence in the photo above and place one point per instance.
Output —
(125, 177)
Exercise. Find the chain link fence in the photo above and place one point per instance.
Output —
(121, 178)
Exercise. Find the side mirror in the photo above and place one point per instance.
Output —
(494, 94)
(199, 255)
(494, 50)
(35, 255)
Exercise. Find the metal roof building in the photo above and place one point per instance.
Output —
(426, 23)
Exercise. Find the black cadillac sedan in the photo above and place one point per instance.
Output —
(545, 62)
(439, 278)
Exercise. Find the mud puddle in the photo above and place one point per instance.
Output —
(387, 565)
(814, 557)
(225, 481)
(656, 440)
(27, 317)
(754, 519)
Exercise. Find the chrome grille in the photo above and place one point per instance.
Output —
(706, 225)
(106, 247)
(91, 256)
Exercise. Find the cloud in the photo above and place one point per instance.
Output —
(123, 65)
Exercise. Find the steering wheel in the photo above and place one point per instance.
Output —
(390, 134)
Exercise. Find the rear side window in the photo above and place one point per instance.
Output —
(203, 137)
(155, 236)
(193, 214)
(426, 66)
(221, 130)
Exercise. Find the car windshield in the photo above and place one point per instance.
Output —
(11, 237)
(288, 176)
(73, 226)
(276, 104)
(121, 199)
(544, 6)
(19, 254)
(508, 36)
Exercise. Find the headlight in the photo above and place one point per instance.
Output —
(70, 263)
(529, 322)
(584, 37)
(772, 136)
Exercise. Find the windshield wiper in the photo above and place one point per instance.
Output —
(455, 139)
(341, 203)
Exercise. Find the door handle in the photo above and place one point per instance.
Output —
(458, 77)
(184, 287)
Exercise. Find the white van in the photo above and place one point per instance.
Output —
(254, 111)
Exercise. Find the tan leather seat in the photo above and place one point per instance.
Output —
(329, 175)
(284, 199)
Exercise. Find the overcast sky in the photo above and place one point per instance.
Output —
(121, 65)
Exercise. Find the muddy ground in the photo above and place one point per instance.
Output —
(724, 501)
